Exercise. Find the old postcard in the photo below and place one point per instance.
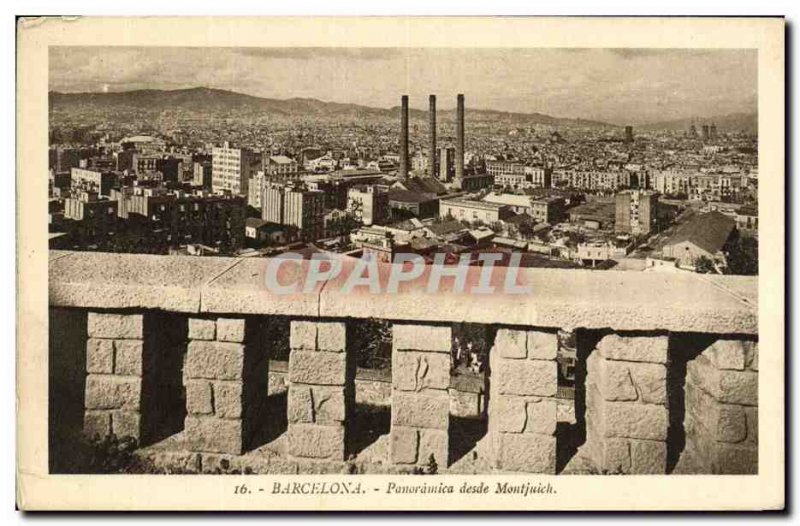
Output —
(401, 263)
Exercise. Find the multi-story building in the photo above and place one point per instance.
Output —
(636, 212)
(231, 169)
(545, 209)
(368, 204)
(296, 206)
(201, 174)
(95, 217)
(469, 210)
(87, 180)
(280, 167)
(446, 158)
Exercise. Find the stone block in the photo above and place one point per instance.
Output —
(199, 398)
(421, 337)
(541, 416)
(112, 392)
(320, 368)
(303, 335)
(403, 445)
(228, 399)
(727, 354)
(105, 325)
(508, 413)
(731, 387)
(97, 423)
(634, 420)
(613, 378)
(202, 329)
(216, 435)
(648, 457)
(735, 459)
(730, 423)
(316, 441)
(751, 415)
(214, 360)
(511, 343)
(129, 356)
(634, 348)
(421, 410)
(415, 371)
(331, 336)
(614, 456)
(434, 442)
(99, 355)
(126, 424)
(528, 452)
(752, 356)
(542, 345)
(531, 377)
(230, 330)
(318, 404)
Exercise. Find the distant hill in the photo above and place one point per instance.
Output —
(208, 101)
(734, 122)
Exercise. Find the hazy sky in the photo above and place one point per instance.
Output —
(614, 85)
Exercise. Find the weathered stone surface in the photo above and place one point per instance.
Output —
(215, 360)
(199, 397)
(752, 356)
(129, 357)
(612, 377)
(104, 325)
(542, 345)
(541, 416)
(99, 355)
(433, 442)
(421, 410)
(112, 392)
(331, 336)
(228, 399)
(508, 413)
(303, 335)
(615, 456)
(732, 387)
(317, 368)
(634, 420)
(318, 404)
(511, 343)
(648, 457)
(403, 444)
(421, 337)
(531, 377)
(528, 452)
(126, 424)
(217, 435)
(316, 441)
(202, 329)
(634, 348)
(230, 329)
(650, 382)
(730, 424)
(736, 459)
(97, 423)
(727, 354)
(415, 371)
(751, 414)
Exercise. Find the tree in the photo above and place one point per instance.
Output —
(703, 265)
(742, 256)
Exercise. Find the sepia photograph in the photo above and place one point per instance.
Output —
(537, 263)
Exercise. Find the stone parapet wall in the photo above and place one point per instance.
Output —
(721, 420)
(522, 403)
(626, 405)
(321, 391)
(420, 399)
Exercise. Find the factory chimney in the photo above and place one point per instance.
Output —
(404, 136)
(460, 139)
(432, 145)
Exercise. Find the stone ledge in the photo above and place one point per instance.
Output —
(616, 300)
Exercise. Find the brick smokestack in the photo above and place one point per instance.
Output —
(404, 136)
(460, 137)
(432, 145)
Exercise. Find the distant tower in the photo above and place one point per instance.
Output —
(459, 138)
(705, 132)
(693, 131)
(432, 145)
(713, 131)
(404, 136)
(628, 133)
